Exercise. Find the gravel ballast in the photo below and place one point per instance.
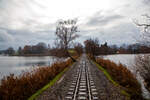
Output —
(105, 88)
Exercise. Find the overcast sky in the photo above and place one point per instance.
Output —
(32, 21)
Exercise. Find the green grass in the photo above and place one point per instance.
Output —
(125, 93)
(51, 83)
(71, 51)
(106, 74)
(110, 78)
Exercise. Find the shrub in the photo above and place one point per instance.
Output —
(143, 67)
(23, 86)
(122, 75)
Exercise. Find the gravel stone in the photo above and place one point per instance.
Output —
(102, 88)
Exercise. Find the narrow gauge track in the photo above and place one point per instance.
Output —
(82, 86)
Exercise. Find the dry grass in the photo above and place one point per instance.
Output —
(123, 76)
(23, 86)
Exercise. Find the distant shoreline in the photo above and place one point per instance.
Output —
(42, 55)
(28, 55)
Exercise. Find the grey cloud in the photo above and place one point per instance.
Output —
(5, 37)
(103, 19)
(120, 29)
(123, 33)
(11, 37)
(18, 11)
(146, 2)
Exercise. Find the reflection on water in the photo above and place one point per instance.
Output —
(40, 63)
(17, 64)
(129, 61)
(126, 59)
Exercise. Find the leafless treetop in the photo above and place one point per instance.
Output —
(66, 31)
(145, 38)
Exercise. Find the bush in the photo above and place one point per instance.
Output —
(143, 67)
(23, 86)
(122, 75)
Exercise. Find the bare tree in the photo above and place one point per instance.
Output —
(78, 48)
(92, 47)
(143, 67)
(143, 61)
(66, 33)
(145, 25)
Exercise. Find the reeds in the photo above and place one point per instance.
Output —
(122, 75)
(23, 86)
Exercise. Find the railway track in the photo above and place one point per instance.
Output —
(82, 86)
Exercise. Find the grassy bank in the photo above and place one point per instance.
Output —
(118, 74)
(23, 86)
(33, 97)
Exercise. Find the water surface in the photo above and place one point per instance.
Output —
(15, 64)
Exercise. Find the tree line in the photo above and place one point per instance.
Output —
(40, 48)
(43, 49)
(93, 47)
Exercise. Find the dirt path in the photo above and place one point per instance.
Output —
(83, 81)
